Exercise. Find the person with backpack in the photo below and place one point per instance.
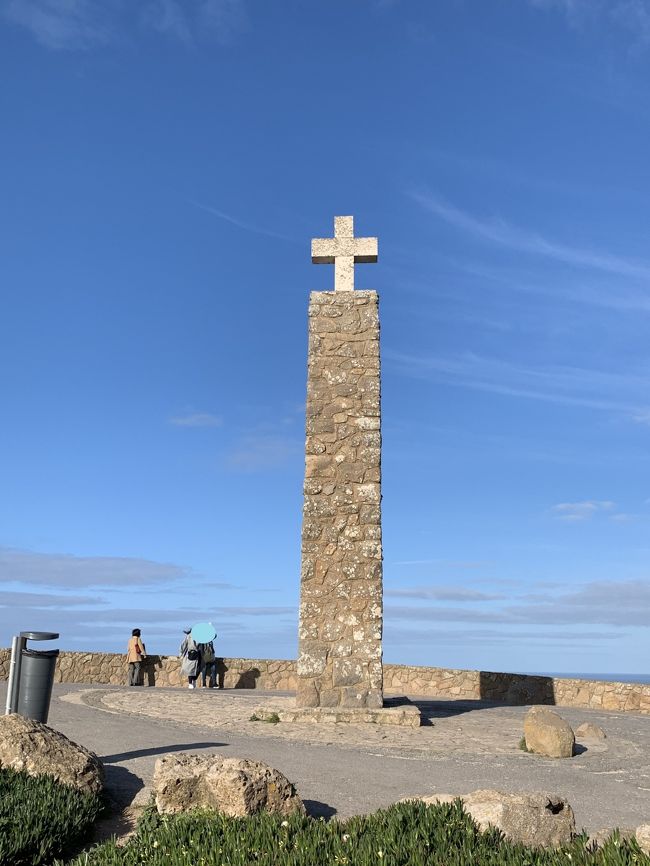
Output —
(190, 658)
(209, 664)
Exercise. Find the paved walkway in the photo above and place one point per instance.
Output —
(345, 769)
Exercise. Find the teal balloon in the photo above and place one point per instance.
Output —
(203, 632)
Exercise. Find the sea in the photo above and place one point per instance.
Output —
(611, 678)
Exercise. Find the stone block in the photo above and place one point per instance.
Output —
(36, 749)
(538, 819)
(306, 694)
(407, 716)
(312, 659)
(353, 696)
(233, 786)
(547, 733)
(590, 731)
(347, 672)
(642, 836)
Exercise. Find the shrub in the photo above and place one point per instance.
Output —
(272, 718)
(406, 834)
(40, 817)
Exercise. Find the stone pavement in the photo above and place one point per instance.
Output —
(346, 769)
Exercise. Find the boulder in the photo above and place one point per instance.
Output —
(599, 837)
(547, 733)
(234, 786)
(642, 836)
(39, 750)
(435, 799)
(589, 731)
(538, 819)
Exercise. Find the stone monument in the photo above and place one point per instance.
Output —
(340, 633)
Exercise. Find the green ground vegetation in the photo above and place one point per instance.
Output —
(406, 834)
(272, 718)
(40, 818)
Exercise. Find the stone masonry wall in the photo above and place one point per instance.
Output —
(443, 683)
(516, 689)
(111, 669)
(339, 655)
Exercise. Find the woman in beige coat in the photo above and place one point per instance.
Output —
(135, 653)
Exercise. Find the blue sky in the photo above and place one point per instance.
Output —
(163, 167)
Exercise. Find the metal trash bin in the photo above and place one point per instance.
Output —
(36, 680)
(31, 676)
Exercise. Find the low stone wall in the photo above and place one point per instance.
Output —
(111, 669)
(443, 683)
(516, 689)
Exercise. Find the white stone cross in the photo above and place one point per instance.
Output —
(344, 251)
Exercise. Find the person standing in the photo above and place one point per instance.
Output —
(209, 667)
(190, 658)
(135, 653)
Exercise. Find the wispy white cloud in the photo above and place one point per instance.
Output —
(630, 15)
(620, 296)
(188, 20)
(606, 602)
(502, 233)
(262, 452)
(488, 637)
(167, 17)
(442, 613)
(63, 570)
(623, 517)
(188, 614)
(441, 562)
(73, 25)
(83, 624)
(573, 386)
(615, 603)
(570, 7)
(241, 224)
(197, 419)
(442, 593)
(223, 18)
(63, 24)
(573, 512)
(14, 598)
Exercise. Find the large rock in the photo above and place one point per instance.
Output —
(589, 731)
(39, 750)
(235, 786)
(538, 819)
(548, 734)
(598, 838)
(643, 837)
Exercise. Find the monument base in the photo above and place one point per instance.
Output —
(405, 715)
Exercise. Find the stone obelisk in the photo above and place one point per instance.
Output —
(340, 634)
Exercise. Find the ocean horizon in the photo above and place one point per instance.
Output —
(643, 679)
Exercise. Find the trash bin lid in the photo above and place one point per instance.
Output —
(40, 654)
(40, 635)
